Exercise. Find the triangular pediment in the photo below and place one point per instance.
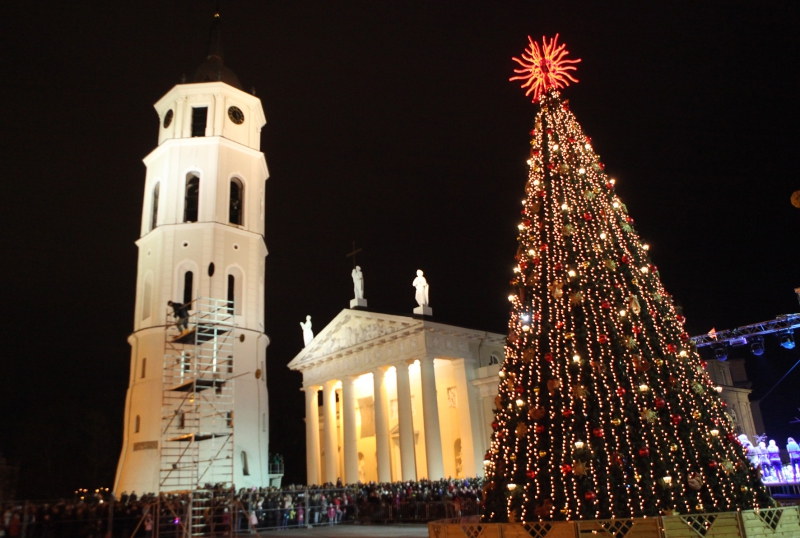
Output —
(353, 330)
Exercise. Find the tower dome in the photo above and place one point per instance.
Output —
(213, 69)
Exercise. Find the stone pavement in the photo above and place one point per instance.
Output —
(354, 531)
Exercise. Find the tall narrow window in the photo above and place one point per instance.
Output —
(137, 424)
(229, 419)
(180, 418)
(235, 207)
(192, 198)
(245, 467)
(188, 282)
(154, 209)
(144, 367)
(231, 293)
(199, 118)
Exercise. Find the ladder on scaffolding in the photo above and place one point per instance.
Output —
(197, 422)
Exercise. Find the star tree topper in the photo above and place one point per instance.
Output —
(544, 68)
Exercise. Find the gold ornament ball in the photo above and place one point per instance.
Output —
(697, 415)
(536, 390)
(542, 453)
(745, 488)
(513, 457)
(699, 507)
(673, 448)
(616, 421)
(796, 199)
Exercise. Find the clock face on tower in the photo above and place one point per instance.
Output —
(167, 118)
(236, 115)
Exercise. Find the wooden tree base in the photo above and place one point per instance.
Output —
(769, 522)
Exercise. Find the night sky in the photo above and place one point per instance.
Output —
(393, 124)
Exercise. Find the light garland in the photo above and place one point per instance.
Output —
(604, 408)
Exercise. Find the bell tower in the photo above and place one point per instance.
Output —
(202, 235)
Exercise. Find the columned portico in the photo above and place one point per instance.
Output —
(381, 408)
(397, 420)
(312, 435)
(350, 443)
(430, 417)
(331, 437)
(405, 422)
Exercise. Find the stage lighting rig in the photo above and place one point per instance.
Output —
(757, 345)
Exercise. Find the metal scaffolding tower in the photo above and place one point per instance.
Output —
(197, 422)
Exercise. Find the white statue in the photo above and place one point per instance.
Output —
(308, 334)
(422, 296)
(358, 282)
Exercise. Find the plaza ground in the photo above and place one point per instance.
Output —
(353, 531)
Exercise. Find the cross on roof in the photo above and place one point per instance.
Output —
(353, 254)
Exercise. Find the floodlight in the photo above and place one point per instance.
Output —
(787, 340)
(757, 345)
(721, 353)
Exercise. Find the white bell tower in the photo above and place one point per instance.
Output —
(202, 235)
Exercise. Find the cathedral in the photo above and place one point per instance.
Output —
(196, 409)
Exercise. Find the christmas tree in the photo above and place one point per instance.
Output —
(604, 407)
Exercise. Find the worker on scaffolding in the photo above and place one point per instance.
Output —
(181, 313)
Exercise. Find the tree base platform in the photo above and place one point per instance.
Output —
(769, 522)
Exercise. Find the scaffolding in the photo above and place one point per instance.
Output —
(197, 410)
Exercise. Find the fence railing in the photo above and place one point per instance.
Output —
(241, 516)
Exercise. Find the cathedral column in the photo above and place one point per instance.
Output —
(331, 441)
(350, 443)
(381, 424)
(312, 435)
(430, 416)
(408, 466)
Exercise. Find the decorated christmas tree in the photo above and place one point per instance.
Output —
(604, 406)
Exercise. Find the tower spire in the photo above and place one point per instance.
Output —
(213, 69)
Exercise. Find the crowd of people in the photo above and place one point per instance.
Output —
(218, 511)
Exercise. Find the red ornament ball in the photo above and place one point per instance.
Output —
(644, 452)
(609, 185)
(621, 391)
(487, 456)
(684, 337)
(605, 305)
(531, 474)
(567, 413)
(519, 389)
(548, 357)
(676, 419)
(566, 468)
(543, 247)
(549, 131)
(731, 437)
(539, 428)
(495, 425)
(660, 403)
(587, 216)
(671, 348)
(541, 194)
(590, 496)
(713, 464)
(603, 339)
(703, 364)
(673, 380)
(597, 432)
(625, 259)
(559, 266)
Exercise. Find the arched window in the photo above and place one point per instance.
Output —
(235, 288)
(245, 467)
(192, 198)
(236, 203)
(137, 424)
(493, 359)
(144, 367)
(154, 209)
(188, 282)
